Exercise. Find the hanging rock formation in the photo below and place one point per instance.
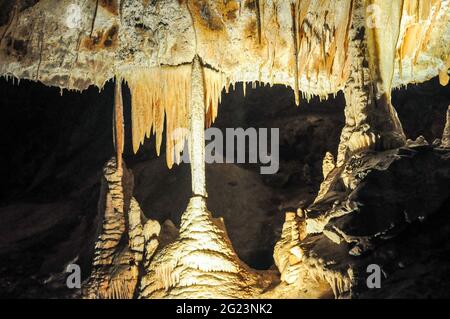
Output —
(201, 262)
(311, 46)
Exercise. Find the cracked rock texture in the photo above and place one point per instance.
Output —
(73, 47)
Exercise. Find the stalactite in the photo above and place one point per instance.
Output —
(161, 95)
(258, 19)
(295, 45)
(118, 122)
(418, 20)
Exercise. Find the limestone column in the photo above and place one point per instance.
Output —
(197, 127)
(371, 122)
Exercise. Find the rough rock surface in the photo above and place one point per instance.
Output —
(372, 194)
(74, 47)
(445, 141)
(116, 263)
(375, 198)
(200, 263)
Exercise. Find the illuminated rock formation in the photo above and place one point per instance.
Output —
(115, 271)
(370, 118)
(176, 58)
(201, 262)
(317, 47)
(120, 245)
(445, 142)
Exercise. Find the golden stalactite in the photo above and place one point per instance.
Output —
(118, 122)
(214, 84)
(419, 18)
(320, 46)
(160, 98)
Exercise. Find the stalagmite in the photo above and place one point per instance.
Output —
(445, 141)
(115, 272)
(287, 251)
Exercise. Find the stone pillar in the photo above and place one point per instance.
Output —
(371, 122)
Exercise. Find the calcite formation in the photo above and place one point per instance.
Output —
(115, 267)
(312, 46)
(201, 263)
(177, 57)
(445, 142)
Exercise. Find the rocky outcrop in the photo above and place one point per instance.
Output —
(305, 275)
(75, 44)
(377, 194)
(123, 235)
(372, 199)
